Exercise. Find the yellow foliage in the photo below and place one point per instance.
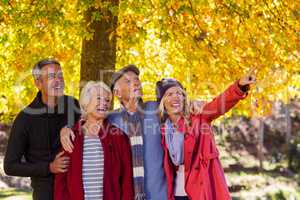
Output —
(205, 44)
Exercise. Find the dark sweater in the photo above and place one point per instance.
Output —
(35, 137)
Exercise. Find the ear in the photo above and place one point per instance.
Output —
(117, 93)
(38, 83)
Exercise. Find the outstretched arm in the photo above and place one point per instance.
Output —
(224, 102)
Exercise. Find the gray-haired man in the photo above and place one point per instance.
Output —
(34, 138)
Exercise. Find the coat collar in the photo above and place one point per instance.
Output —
(39, 109)
(104, 130)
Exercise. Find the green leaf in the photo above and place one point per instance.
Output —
(5, 2)
(97, 16)
(185, 9)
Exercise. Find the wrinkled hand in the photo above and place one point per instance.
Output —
(66, 138)
(60, 164)
(196, 107)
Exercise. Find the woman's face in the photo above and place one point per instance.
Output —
(174, 100)
(99, 104)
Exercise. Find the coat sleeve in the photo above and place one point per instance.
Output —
(224, 102)
(60, 186)
(127, 169)
(16, 148)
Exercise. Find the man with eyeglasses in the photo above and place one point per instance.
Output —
(34, 139)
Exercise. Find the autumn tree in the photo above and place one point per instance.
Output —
(205, 44)
(98, 54)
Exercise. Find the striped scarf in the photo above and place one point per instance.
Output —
(135, 133)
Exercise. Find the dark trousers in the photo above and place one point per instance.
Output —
(42, 193)
(181, 198)
(42, 189)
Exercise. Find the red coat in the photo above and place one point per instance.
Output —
(118, 175)
(204, 175)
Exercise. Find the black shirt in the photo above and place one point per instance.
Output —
(35, 136)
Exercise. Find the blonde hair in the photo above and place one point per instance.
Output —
(186, 112)
(86, 95)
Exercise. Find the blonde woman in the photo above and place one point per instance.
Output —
(191, 158)
(100, 164)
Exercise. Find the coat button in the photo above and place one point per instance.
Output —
(197, 167)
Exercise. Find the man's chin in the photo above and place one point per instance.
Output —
(57, 93)
(138, 96)
(136, 99)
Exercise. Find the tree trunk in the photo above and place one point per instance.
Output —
(98, 56)
(261, 144)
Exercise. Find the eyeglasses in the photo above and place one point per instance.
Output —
(52, 75)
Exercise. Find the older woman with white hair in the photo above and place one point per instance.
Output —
(100, 164)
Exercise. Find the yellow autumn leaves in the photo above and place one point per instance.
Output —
(206, 44)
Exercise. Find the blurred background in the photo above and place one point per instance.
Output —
(206, 44)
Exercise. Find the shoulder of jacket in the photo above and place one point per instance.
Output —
(151, 104)
(22, 117)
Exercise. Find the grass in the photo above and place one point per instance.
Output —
(252, 184)
(264, 186)
(15, 194)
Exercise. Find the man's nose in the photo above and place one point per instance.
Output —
(58, 77)
(136, 83)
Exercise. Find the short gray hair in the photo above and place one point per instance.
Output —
(85, 96)
(36, 71)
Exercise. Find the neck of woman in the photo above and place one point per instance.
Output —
(174, 118)
(93, 120)
(92, 126)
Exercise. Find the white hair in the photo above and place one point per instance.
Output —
(86, 95)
